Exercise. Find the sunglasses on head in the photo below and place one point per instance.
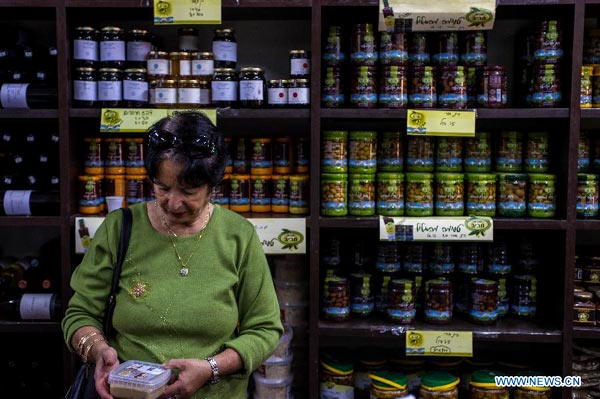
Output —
(201, 145)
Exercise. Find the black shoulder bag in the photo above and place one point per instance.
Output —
(84, 385)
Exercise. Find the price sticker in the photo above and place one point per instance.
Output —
(451, 123)
(439, 343)
(127, 120)
(187, 12)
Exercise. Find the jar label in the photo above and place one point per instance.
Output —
(203, 67)
(224, 91)
(204, 97)
(35, 306)
(251, 90)
(300, 66)
(85, 50)
(135, 91)
(334, 391)
(158, 67)
(112, 51)
(13, 95)
(85, 91)
(138, 51)
(135, 191)
(110, 91)
(299, 96)
(165, 96)
(16, 202)
(188, 96)
(278, 96)
(225, 51)
(185, 67)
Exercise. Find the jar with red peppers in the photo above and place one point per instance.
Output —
(493, 88)
(422, 89)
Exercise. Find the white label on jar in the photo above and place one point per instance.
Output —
(85, 91)
(299, 95)
(16, 202)
(203, 67)
(278, 95)
(188, 96)
(86, 50)
(225, 51)
(138, 51)
(14, 95)
(251, 90)
(112, 51)
(158, 67)
(185, 67)
(299, 66)
(224, 91)
(35, 306)
(135, 91)
(204, 96)
(110, 91)
(165, 95)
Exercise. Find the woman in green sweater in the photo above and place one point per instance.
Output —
(195, 291)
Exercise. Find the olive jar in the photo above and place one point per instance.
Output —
(483, 385)
(438, 385)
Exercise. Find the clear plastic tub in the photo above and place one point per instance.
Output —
(135, 379)
(283, 348)
(272, 389)
(294, 315)
(290, 268)
(275, 368)
(291, 293)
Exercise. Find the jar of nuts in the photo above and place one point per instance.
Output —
(481, 194)
(419, 194)
(336, 299)
(483, 303)
(388, 385)
(438, 385)
(334, 151)
(449, 198)
(390, 194)
(537, 152)
(542, 196)
(478, 153)
(401, 301)
(390, 156)
(438, 302)
(419, 154)
(334, 188)
(587, 195)
(509, 152)
(531, 392)
(483, 386)
(511, 194)
(363, 152)
(449, 154)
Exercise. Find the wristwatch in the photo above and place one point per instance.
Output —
(216, 377)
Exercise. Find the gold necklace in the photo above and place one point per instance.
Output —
(185, 270)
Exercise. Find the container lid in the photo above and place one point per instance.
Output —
(139, 31)
(537, 134)
(280, 177)
(539, 176)
(261, 140)
(283, 382)
(272, 361)
(450, 176)
(439, 381)
(388, 380)
(484, 378)
(135, 177)
(109, 70)
(85, 28)
(390, 176)
(240, 177)
(508, 177)
(412, 177)
(407, 284)
(225, 30)
(300, 177)
(361, 176)
(117, 177)
(531, 373)
(481, 177)
(260, 177)
(187, 31)
(85, 69)
(511, 134)
(224, 70)
(251, 69)
(111, 29)
(139, 375)
(135, 70)
(482, 281)
(582, 177)
(332, 177)
(363, 135)
(338, 367)
(444, 283)
(298, 51)
(91, 177)
(335, 134)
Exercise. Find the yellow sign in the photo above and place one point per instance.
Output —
(139, 120)
(439, 343)
(436, 228)
(187, 12)
(421, 122)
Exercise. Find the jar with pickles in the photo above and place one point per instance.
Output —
(334, 191)
(587, 195)
(334, 151)
(542, 196)
(363, 152)
(483, 385)
(512, 194)
(388, 385)
(361, 194)
(449, 198)
(478, 153)
(481, 194)
(401, 304)
(438, 385)
(390, 194)
(419, 194)
(420, 154)
(336, 298)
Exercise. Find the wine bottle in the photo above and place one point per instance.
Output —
(28, 202)
(31, 265)
(27, 95)
(31, 307)
(84, 235)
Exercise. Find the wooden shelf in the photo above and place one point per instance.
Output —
(34, 221)
(349, 222)
(21, 327)
(30, 3)
(590, 113)
(482, 113)
(507, 330)
(375, 3)
(581, 332)
(28, 113)
(225, 3)
(587, 224)
(221, 113)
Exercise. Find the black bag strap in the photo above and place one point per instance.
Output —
(123, 245)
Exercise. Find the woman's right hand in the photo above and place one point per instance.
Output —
(106, 360)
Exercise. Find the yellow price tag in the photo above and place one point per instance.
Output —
(439, 343)
(187, 12)
(129, 120)
(420, 122)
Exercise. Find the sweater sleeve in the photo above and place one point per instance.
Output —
(259, 317)
(91, 282)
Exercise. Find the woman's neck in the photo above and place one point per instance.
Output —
(160, 222)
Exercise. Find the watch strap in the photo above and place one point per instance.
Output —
(216, 377)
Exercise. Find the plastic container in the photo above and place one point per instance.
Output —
(512, 195)
(272, 389)
(419, 154)
(390, 194)
(283, 350)
(483, 386)
(361, 194)
(478, 153)
(362, 152)
(276, 368)
(334, 152)
(438, 385)
(419, 194)
(334, 201)
(542, 196)
(336, 379)
(449, 194)
(587, 195)
(481, 194)
(523, 301)
(388, 385)
(291, 293)
(449, 154)
(135, 379)
(294, 315)
(509, 152)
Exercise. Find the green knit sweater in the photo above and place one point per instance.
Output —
(161, 315)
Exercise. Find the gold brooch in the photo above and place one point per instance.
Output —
(139, 289)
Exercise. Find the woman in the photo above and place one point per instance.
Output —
(195, 291)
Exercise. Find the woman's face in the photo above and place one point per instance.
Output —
(181, 205)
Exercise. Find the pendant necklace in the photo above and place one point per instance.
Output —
(185, 270)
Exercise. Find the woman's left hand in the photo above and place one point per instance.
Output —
(193, 375)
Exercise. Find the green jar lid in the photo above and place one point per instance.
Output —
(524, 277)
(483, 135)
(583, 177)
(439, 282)
(535, 177)
(541, 135)
(511, 134)
(338, 367)
(449, 176)
(484, 376)
(335, 134)
(508, 177)
(388, 380)
(403, 282)
(363, 134)
(481, 177)
(361, 176)
(417, 177)
(439, 380)
(482, 281)
(391, 134)
(390, 176)
(334, 177)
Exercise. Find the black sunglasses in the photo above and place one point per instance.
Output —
(201, 145)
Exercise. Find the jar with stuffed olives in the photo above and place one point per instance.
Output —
(587, 195)
(361, 194)
(420, 154)
(483, 385)
(478, 153)
(388, 385)
(401, 301)
(509, 152)
(542, 196)
(483, 303)
(390, 194)
(390, 152)
(334, 191)
(531, 392)
(336, 298)
(419, 194)
(512, 195)
(449, 197)
(439, 302)
(449, 154)
(537, 153)
(334, 151)
(363, 152)
(441, 261)
(438, 385)
(481, 194)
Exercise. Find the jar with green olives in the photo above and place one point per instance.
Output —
(361, 194)
(362, 302)
(449, 197)
(420, 154)
(537, 152)
(483, 385)
(449, 154)
(334, 151)
(390, 156)
(542, 196)
(587, 195)
(390, 194)
(512, 195)
(509, 152)
(481, 194)
(334, 191)
(363, 152)
(478, 153)
(419, 194)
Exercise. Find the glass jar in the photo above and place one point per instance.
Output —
(548, 43)
(523, 302)
(363, 91)
(478, 153)
(483, 386)
(583, 152)
(114, 157)
(414, 258)
(134, 156)
(138, 46)
(94, 161)
(280, 189)
(110, 88)
(587, 195)
(241, 158)
(261, 160)
(158, 64)
(91, 198)
(438, 302)
(542, 196)
(498, 260)
(546, 87)
(470, 259)
(363, 46)
(85, 47)
(441, 263)
(393, 48)
(475, 49)
(299, 64)
(449, 154)
(423, 92)
(438, 385)
(419, 194)
(114, 185)
(420, 154)
(187, 39)
(299, 194)
(401, 306)
(299, 93)
(135, 88)
(393, 87)
(334, 153)
(165, 93)
(224, 88)
(181, 64)
(301, 155)
(112, 47)
(418, 51)
(472, 77)
(390, 194)
(481, 194)
(483, 304)
(332, 91)
(493, 88)
(336, 378)
(334, 191)
(239, 197)
(136, 189)
(586, 92)
(277, 93)
(537, 152)
(363, 152)
(390, 152)
(447, 51)
(388, 385)
(252, 88)
(449, 197)
(452, 88)
(224, 48)
(361, 295)
(596, 87)
(203, 64)
(388, 257)
(512, 195)
(85, 87)
(188, 93)
(367, 363)
(509, 152)
(361, 194)
(332, 49)
(531, 392)
(462, 292)
(282, 155)
(336, 299)
(260, 193)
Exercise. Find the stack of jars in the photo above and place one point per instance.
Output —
(587, 294)
(590, 71)
(266, 175)
(376, 184)
(113, 167)
(588, 182)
